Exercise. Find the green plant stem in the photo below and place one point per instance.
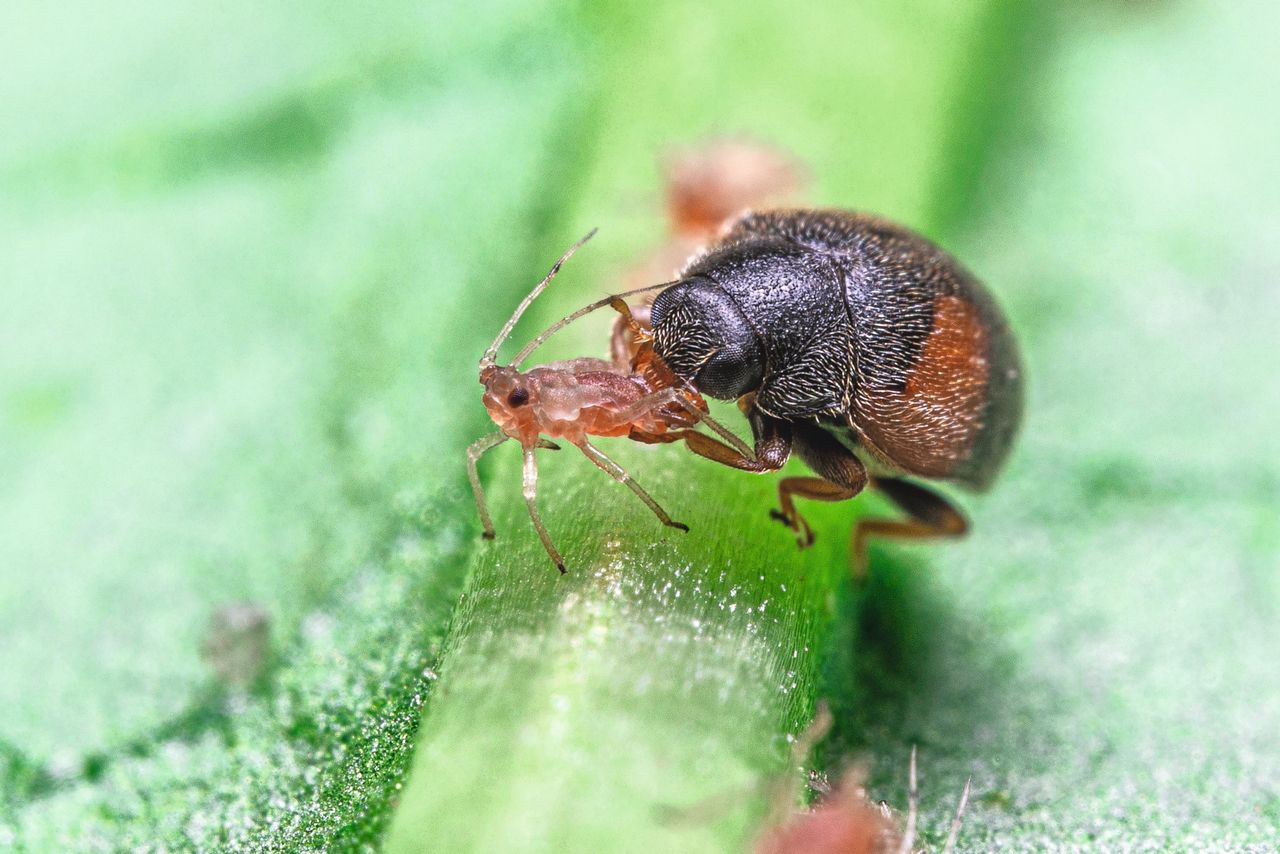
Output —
(662, 669)
(609, 708)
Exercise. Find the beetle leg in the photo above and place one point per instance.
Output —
(770, 454)
(773, 445)
(619, 474)
(767, 458)
(813, 488)
(530, 499)
(841, 476)
(929, 515)
(628, 328)
(478, 448)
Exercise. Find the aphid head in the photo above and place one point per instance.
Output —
(509, 396)
(704, 337)
(508, 393)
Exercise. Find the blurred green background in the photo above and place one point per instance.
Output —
(248, 259)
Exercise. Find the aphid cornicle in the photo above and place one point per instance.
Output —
(858, 344)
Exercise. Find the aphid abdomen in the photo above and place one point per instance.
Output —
(573, 406)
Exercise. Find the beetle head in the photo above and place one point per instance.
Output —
(702, 334)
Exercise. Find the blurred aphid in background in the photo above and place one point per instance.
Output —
(237, 643)
(709, 182)
(844, 820)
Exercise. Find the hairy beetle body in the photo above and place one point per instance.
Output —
(856, 341)
(866, 328)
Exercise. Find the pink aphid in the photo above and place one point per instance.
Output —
(846, 822)
(636, 395)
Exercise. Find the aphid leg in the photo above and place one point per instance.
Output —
(782, 789)
(530, 499)
(619, 474)
(630, 326)
(841, 477)
(913, 807)
(620, 345)
(478, 449)
(954, 833)
(930, 515)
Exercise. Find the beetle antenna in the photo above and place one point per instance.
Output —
(490, 356)
(585, 310)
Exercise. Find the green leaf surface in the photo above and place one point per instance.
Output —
(225, 378)
(248, 259)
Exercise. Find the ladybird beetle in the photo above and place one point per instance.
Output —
(860, 345)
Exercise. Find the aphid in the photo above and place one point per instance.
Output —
(718, 178)
(635, 396)
(237, 643)
(858, 344)
(844, 821)
(706, 184)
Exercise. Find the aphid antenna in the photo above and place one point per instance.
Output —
(489, 359)
(582, 312)
(954, 833)
(913, 807)
(815, 732)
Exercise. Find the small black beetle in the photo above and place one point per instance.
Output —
(858, 343)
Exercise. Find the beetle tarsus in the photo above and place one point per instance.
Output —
(929, 516)
(791, 523)
(804, 534)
